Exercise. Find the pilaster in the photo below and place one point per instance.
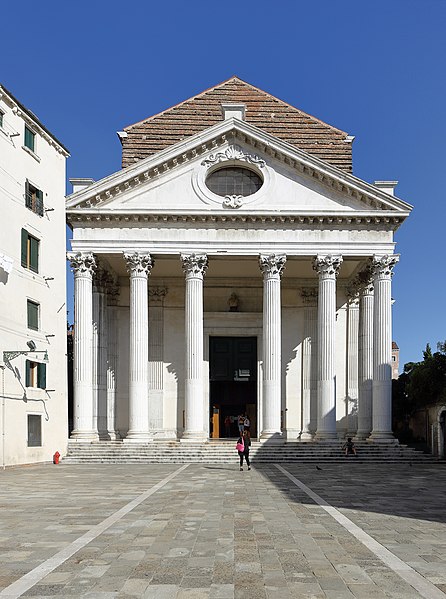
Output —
(365, 356)
(112, 358)
(309, 365)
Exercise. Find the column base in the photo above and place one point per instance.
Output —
(84, 436)
(291, 434)
(271, 438)
(138, 437)
(164, 435)
(326, 436)
(362, 435)
(382, 437)
(114, 436)
(194, 437)
(306, 436)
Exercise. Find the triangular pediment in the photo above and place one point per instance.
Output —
(294, 183)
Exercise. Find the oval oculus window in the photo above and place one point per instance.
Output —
(234, 181)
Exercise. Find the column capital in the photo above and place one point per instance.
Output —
(272, 264)
(101, 279)
(113, 291)
(194, 265)
(327, 265)
(382, 266)
(309, 296)
(157, 294)
(82, 264)
(138, 265)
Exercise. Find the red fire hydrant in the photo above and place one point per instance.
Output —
(56, 457)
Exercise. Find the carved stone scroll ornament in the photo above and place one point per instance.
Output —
(233, 153)
(327, 265)
(383, 265)
(82, 264)
(138, 264)
(272, 264)
(234, 201)
(194, 264)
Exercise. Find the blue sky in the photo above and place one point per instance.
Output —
(375, 69)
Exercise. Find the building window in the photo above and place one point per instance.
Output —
(229, 181)
(30, 251)
(33, 315)
(34, 430)
(1, 118)
(34, 198)
(30, 139)
(35, 374)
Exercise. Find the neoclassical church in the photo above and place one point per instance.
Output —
(234, 265)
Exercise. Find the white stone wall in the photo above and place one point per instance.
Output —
(45, 169)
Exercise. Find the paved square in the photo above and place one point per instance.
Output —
(210, 531)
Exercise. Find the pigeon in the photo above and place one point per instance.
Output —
(317, 468)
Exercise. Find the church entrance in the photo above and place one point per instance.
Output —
(233, 384)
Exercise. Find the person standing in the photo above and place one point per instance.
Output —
(241, 423)
(247, 425)
(243, 445)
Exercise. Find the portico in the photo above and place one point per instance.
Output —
(166, 258)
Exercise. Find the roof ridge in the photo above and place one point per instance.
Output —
(153, 116)
(257, 89)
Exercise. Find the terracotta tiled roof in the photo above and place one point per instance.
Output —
(262, 110)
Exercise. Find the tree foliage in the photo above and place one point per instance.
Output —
(422, 383)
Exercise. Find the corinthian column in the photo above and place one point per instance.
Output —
(309, 363)
(365, 357)
(83, 266)
(194, 267)
(327, 268)
(382, 267)
(272, 267)
(139, 267)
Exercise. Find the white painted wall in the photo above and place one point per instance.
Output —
(46, 170)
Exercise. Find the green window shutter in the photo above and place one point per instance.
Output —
(33, 315)
(34, 254)
(41, 375)
(27, 373)
(24, 248)
(29, 139)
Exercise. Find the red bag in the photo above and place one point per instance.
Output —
(240, 447)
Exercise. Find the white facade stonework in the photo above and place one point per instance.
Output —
(33, 331)
(210, 333)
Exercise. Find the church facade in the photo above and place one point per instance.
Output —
(233, 266)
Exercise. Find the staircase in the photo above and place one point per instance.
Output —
(224, 452)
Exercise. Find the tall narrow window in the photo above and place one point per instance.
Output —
(34, 198)
(35, 374)
(34, 430)
(33, 315)
(1, 119)
(30, 251)
(30, 139)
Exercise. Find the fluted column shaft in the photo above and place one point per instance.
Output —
(139, 267)
(309, 363)
(365, 361)
(382, 348)
(272, 267)
(352, 392)
(194, 267)
(83, 266)
(112, 360)
(327, 268)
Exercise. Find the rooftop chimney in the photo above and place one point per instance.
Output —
(233, 111)
(79, 184)
(386, 186)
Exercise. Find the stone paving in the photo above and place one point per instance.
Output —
(214, 532)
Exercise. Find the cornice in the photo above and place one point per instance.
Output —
(362, 219)
(230, 131)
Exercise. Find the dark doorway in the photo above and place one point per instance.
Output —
(233, 384)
